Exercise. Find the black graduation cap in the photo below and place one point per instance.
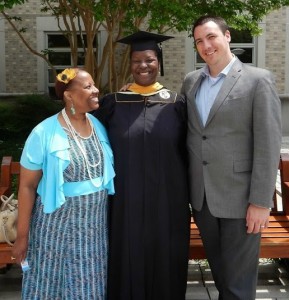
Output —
(143, 40)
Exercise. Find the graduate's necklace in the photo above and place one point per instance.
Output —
(78, 140)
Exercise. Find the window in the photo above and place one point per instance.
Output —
(243, 46)
(59, 55)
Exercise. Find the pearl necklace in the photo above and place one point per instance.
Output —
(70, 127)
(76, 137)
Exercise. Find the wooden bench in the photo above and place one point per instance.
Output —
(9, 170)
(275, 239)
(274, 242)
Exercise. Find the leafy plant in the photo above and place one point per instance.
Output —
(118, 18)
(19, 115)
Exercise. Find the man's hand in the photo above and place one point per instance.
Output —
(257, 218)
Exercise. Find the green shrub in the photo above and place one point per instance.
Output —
(18, 116)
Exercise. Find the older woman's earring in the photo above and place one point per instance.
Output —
(72, 109)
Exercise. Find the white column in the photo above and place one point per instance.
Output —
(287, 53)
(261, 46)
(190, 64)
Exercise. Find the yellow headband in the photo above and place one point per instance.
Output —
(66, 75)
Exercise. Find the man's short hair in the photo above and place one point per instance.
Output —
(207, 18)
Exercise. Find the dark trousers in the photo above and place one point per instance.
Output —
(233, 255)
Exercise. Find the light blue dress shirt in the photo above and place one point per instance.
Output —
(209, 89)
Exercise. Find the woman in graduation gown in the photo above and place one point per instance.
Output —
(149, 216)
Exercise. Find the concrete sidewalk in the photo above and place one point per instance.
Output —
(273, 282)
(285, 144)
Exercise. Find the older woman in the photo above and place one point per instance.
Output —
(66, 175)
(149, 225)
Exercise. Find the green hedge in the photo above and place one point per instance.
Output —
(18, 116)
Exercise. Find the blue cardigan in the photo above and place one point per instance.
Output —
(46, 149)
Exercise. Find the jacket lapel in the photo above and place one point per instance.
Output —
(198, 79)
(226, 88)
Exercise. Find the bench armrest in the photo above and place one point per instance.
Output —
(284, 174)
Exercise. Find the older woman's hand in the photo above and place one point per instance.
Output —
(19, 249)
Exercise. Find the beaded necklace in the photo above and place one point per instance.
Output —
(78, 140)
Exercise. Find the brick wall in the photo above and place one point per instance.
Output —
(21, 71)
(174, 62)
(21, 65)
(275, 46)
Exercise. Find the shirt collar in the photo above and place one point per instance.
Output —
(224, 72)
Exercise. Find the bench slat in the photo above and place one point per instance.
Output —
(5, 253)
(274, 241)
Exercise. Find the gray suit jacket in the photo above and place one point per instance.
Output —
(234, 157)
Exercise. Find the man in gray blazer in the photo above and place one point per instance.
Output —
(234, 140)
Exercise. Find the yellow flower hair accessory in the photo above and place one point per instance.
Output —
(66, 75)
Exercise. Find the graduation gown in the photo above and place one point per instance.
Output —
(149, 214)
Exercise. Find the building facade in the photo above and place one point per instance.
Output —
(23, 72)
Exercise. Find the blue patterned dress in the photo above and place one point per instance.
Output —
(67, 251)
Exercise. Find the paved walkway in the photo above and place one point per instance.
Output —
(273, 282)
(285, 144)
